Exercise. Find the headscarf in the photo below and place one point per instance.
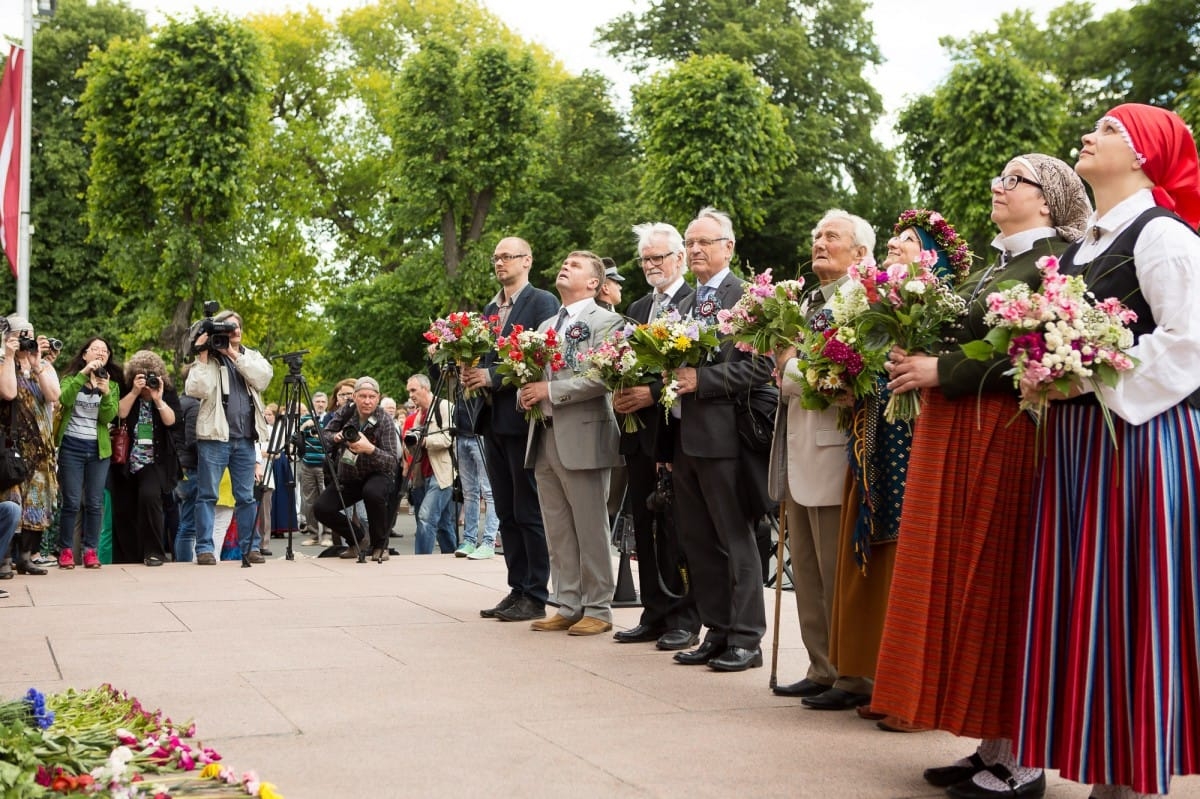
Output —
(939, 236)
(928, 242)
(1167, 153)
(1063, 191)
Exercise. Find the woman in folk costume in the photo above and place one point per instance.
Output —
(1112, 658)
(952, 643)
(875, 487)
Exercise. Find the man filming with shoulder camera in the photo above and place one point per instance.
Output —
(228, 379)
(366, 437)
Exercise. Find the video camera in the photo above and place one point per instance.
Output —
(218, 332)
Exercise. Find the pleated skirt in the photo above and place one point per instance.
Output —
(950, 658)
(1112, 687)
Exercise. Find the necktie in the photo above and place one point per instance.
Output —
(562, 320)
(705, 293)
(660, 304)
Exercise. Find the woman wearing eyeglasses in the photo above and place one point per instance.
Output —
(951, 649)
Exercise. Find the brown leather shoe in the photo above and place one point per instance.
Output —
(206, 559)
(555, 623)
(255, 557)
(589, 626)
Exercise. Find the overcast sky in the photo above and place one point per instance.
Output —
(907, 32)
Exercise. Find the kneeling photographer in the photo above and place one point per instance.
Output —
(429, 443)
(367, 438)
(228, 379)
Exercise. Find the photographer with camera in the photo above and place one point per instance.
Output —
(369, 445)
(428, 441)
(228, 379)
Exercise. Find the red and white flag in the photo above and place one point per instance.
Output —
(10, 154)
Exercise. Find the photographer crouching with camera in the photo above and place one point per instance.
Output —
(228, 379)
(369, 446)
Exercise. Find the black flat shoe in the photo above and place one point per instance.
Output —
(968, 789)
(701, 654)
(153, 561)
(836, 699)
(674, 640)
(737, 658)
(945, 776)
(805, 687)
(638, 635)
(27, 567)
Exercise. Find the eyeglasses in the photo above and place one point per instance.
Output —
(654, 260)
(1010, 182)
(506, 257)
(703, 242)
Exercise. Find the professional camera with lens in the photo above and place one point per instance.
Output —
(55, 344)
(27, 343)
(664, 493)
(351, 433)
(153, 381)
(414, 437)
(101, 373)
(218, 332)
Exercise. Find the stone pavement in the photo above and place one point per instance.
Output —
(334, 679)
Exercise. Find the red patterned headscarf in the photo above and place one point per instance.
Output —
(1167, 152)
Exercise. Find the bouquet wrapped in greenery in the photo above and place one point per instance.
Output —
(527, 356)
(461, 339)
(615, 363)
(669, 342)
(768, 316)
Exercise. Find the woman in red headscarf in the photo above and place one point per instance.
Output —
(1112, 656)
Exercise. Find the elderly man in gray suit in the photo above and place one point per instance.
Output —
(572, 453)
(808, 464)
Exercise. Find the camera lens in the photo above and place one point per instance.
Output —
(350, 433)
(55, 344)
(101, 373)
(152, 380)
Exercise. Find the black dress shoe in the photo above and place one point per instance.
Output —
(524, 609)
(28, 567)
(701, 654)
(638, 635)
(805, 687)
(673, 640)
(945, 776)
(836, 699)
(967, 789)
(737, 658)
(505, 604)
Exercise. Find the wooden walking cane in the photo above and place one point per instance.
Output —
(779, 561)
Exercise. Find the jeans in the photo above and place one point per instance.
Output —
(185, 496)
(81, 476)
(10, 519)
(476, 486)
(431, 517)
(239, 454)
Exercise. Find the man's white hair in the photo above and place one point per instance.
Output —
(721, 218)
(647, 232)
(861, 230)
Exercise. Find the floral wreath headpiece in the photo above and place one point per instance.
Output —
(957, 252)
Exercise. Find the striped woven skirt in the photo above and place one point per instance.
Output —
(1112, 687)
(951, 651)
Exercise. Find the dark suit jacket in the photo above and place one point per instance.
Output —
(532, 307)
(650, 440)
(709, 426)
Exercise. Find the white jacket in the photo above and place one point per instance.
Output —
(207, 382)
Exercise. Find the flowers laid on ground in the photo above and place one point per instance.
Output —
(670, 342)
(904, 305)
(101, 742)
(767, 316)
(615, 363)
(527, 356)
(1059, 336)
(461, 339)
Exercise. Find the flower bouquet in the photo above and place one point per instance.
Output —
(103, 742)
(461, 339)
(904, 305)
(669, 342)
(1060, 336)
(768, 315)
(615, 363)
(835, 362)
(527, 356)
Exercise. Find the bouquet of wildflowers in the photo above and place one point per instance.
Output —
(461, 339)
(768, 315)
(669, 342)
(614, 363)
(527, 356)
(1060, 335)
(835, 362)
(904, 305)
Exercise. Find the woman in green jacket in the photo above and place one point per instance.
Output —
(88, 406)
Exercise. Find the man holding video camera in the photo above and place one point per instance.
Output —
(367, 440)
(228, 379)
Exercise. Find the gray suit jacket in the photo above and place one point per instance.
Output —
(582, 407)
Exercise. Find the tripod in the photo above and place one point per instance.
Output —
(283, 431)
(446, 387)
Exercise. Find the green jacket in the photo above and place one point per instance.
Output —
(108, 411)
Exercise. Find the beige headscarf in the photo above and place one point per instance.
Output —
(1064, 193)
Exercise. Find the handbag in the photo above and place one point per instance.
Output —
(755, 417)
(120, 445)
(13, 468)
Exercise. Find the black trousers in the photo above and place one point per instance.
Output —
(514, 493)
(373, 491)
(137, 509)
(657, 554)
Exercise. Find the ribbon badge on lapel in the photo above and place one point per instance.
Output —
(575, 334)
(822, 320)
(706, 311)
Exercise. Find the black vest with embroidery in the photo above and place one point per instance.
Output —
(1112, 274)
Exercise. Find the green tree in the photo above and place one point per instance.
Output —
(985, 113)
(711, 136)
(71, 295)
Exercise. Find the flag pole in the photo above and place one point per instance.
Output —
(23, 229)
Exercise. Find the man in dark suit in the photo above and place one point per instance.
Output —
(513, 488)
(669, 616)
(711, 508)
